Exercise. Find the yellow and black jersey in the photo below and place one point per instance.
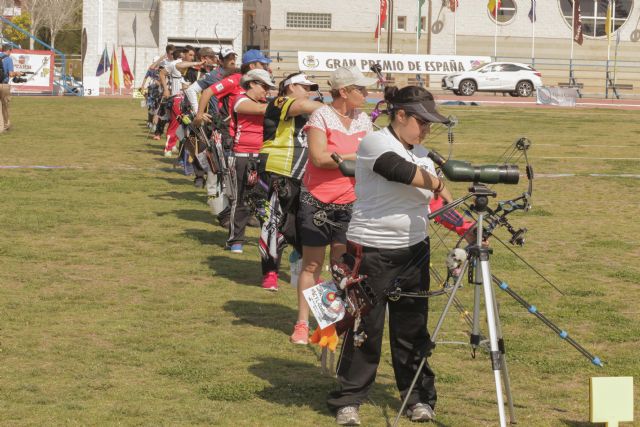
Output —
(285, 144)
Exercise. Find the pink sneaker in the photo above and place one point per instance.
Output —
(300, 333)
(270, 281)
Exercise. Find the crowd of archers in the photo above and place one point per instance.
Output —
(266, 156)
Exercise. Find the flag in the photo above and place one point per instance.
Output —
(127, 76)
(607, 22)
(420, 4)
(494, 6)
(453, 5)
(577, 23)
(104, 64)
(382, 17)
(114, 77)
(532, 12)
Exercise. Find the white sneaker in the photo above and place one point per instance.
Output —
(168, 153)
(175, 150)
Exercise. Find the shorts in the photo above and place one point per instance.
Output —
(315, 235)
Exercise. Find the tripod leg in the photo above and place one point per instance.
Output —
(433, 339)
(496, 359)
(505, 369)
(477, 289)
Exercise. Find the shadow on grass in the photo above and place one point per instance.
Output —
(264, 315)
(208, 237)
(240, 270)
(182, 195)
(293, 383)
(572, 423)
(196, 215)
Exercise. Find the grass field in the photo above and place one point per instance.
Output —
(119, 306)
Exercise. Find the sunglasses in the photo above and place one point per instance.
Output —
(264, 86)
(422, 123)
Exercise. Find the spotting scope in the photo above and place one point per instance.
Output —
(461, 171)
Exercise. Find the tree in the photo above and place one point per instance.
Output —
(23, 21)
(57, 14)
(36, 11)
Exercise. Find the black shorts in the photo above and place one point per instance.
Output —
(322, 235)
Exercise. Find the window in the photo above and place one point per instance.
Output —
(505, 10)
(594, 15)
(308, 20)
(401, 23)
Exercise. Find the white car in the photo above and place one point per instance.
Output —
(512, 77)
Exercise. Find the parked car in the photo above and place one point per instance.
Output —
(511, 77)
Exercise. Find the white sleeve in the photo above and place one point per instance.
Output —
(192, 95)
(238, 102)
(373, 145)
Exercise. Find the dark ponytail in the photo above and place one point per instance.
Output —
(407, 95)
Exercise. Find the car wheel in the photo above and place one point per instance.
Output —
(467, 87)
(524, 88)
(514, 93)
(456, 92)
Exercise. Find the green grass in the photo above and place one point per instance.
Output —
(119, 306)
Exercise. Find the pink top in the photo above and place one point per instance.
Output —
(248, 137)
(329, 185)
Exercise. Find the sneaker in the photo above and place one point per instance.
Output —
(236, 248)
(421, 412)
(198, 182)
(156, 137)
(270, 281)
(175, 149)
(301, 335)
(168, 153)
(348, 416)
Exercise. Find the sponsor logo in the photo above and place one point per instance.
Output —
(310, 61)
(219, 86)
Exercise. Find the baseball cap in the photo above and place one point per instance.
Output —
(226, 51)
(301, 79)
(254, 55)
(258, 75)
(343, 77)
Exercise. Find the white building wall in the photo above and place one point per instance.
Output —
(100, 20)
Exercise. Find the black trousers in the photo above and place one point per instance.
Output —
(240, 211)
(288, 190)
(408, 334)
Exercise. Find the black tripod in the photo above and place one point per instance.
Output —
(478, 259)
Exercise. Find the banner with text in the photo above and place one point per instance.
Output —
(38, 68)
(390, 63)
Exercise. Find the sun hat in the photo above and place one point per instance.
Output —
(349, 76)
(258, 75)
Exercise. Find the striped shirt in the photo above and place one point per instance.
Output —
(285, 143)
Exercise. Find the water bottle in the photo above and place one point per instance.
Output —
(295, 265)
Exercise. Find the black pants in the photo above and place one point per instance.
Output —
(408, 334)
(288, 190)
(240, 210)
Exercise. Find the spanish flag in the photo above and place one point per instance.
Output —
(494, 6)
(607, 22)
(114, 76)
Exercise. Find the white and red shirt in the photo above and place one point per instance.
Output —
(329, 185)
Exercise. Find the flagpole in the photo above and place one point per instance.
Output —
(379, 23)
(533, 33)
(573, 29)
(608, 29)
(455, 31)
(418, 31)
(495, 34)
(135, 48)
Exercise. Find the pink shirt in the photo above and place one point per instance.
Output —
(329, 185)
(248, 136)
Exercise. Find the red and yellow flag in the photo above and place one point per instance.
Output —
(114, 76)
(127, 75)
(494, 6)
